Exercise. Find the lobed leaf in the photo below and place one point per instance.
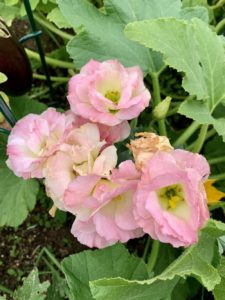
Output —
(194, 261)
(102, 36)
(219, 290)
(32, 289)
(194, 49)
(109, 262)
(17, 196)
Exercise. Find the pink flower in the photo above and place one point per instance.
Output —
(170, 203)
(80, 154)
(108, 93)
(111, 134)
(33, 139)
(104, 208)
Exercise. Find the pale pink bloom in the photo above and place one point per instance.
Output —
(81, 154)
(103, 207)
(33, 139)
(170, 202)
(111, 134)
(108, 92)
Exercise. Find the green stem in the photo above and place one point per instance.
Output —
(52, 258)
(153, 256)
(172, 111)
(218, 177)
(133, 123)
(52, 28)
(144, 256)
(157, 100)
(220, 3)
(201, 138)
(216, 160)
(214, 206)
(220, 25)
(51, 61)
(53, 78)
(209, 134)
(5, 290)
(186, 134)
(4, 131)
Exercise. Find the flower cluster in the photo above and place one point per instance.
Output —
(161, 193)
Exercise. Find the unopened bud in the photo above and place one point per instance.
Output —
(161, 110)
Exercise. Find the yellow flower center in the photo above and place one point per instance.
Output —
(114, 96)
(170, 197)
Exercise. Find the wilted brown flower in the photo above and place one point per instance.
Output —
(146, 145)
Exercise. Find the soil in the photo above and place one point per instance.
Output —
(19, 248)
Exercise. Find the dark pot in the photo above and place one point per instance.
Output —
(13, 63)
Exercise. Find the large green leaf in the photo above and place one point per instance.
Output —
(192, 48)
(32, 289)
(57, 18)
(103, 37)
(23, 105)
(219, 290)
(17, 196)
(8, 13)
(196, 261)
(109, 262)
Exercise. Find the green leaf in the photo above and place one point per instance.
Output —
(167, 254)
(17, 197)
(23, 105)
(57, 290)
(11, 2)
(192, 48)
(33, 4)
(111, 43)
(202, 3)
(102, 35)
(109, 262)
(118, 288)
(194, 261)
(186, 289)
(196, 110)
(57, 18)
(219, 290)
(8, 13)
(199, 12)
(32, 289)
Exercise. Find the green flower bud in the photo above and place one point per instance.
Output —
(161, 110)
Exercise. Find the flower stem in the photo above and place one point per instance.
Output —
(4, 131)
(216, 160)
(153, 256)
(201, 138)
(186, 134)
(51, 61)
(53, 78)
(52, 28)
(157, 100)
(220, 3)
(220, 25)
(144, 256)
(5, 290)
(218, 177)
(209, 134)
